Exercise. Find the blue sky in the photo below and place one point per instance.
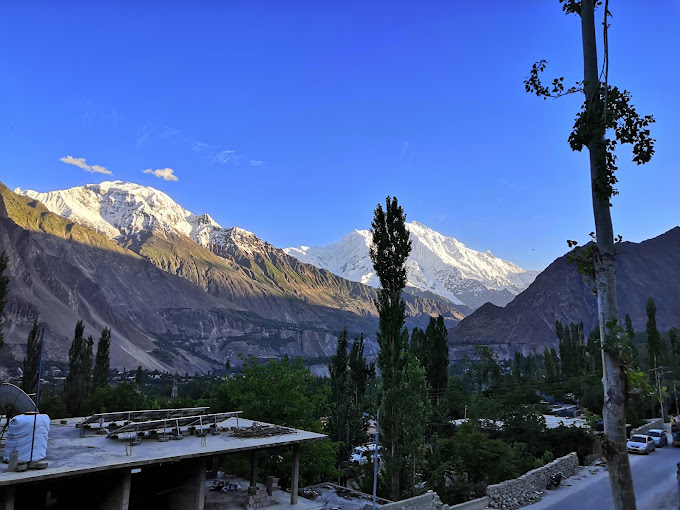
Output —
(294, 119)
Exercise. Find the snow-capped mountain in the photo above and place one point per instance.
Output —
(437, 263)
(120, 209)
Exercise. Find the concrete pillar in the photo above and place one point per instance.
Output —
(190, 492)
(7, 498)
(295, 475)
(115, 493)
(214, 466)
(254, 455)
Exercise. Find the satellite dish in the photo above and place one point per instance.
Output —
(14, 398)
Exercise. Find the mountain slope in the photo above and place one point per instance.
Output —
(643, 270)
(437, 264)
(231, 263)
(172, 303)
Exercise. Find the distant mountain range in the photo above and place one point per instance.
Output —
(643, 270)
(437, 264)
(181, 292)
(177, 290)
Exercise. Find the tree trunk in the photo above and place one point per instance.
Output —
(613, 362)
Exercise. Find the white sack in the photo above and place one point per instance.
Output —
(20, 437)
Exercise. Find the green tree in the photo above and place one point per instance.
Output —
(550, 369)
(437, 368)
(389, 250)
(606, 109)
(654, 342)
(675, 347)
(360, 371)
(517, 367)
(77, 387)
(138, 375)
(415, 408)
(630, 338)
(121, 397)
(4, 290)
(343, 407)
(258, 391)
(102, 362)
(29, 379)
(486, 368)
(418, 345)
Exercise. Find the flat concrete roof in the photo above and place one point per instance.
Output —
(68, 454)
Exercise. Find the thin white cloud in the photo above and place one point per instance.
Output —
(254, 162)
(80, 163)
(227, 158)
(167, 174)
(169, 131)
(200, 146)
(143, 135)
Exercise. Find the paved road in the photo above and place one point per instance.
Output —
(654, 479)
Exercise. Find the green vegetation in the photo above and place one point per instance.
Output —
(502, 403)
(78, 380)
(102, 361)
(403, 389)
(29, 378)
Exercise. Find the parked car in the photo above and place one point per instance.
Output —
(363, 454)
(639, 443)
(675, 431)
(659, 437)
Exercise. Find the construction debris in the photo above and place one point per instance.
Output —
(261, 431)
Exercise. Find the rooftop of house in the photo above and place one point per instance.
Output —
(72, 451)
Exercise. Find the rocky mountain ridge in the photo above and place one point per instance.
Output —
(647, 269)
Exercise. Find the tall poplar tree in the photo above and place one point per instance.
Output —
(675, 348)
(437, 369)
(654, 342)
(630, 337)
(78, 379)
(606, 110)
(4, 290)
(29, 379)
(390, 249)
(360, 371)
(341, 399)
(102, 362)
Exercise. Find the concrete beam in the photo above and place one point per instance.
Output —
(295, 475)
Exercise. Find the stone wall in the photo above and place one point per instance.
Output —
(474, 504)
(430, 501)
(529, 487)
(427, 501)
(657, 423)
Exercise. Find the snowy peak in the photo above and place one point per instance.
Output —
(120, 209)
(437, 263)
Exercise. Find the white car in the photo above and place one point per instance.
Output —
(362, 454)
(659, 437)
(639, 443)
